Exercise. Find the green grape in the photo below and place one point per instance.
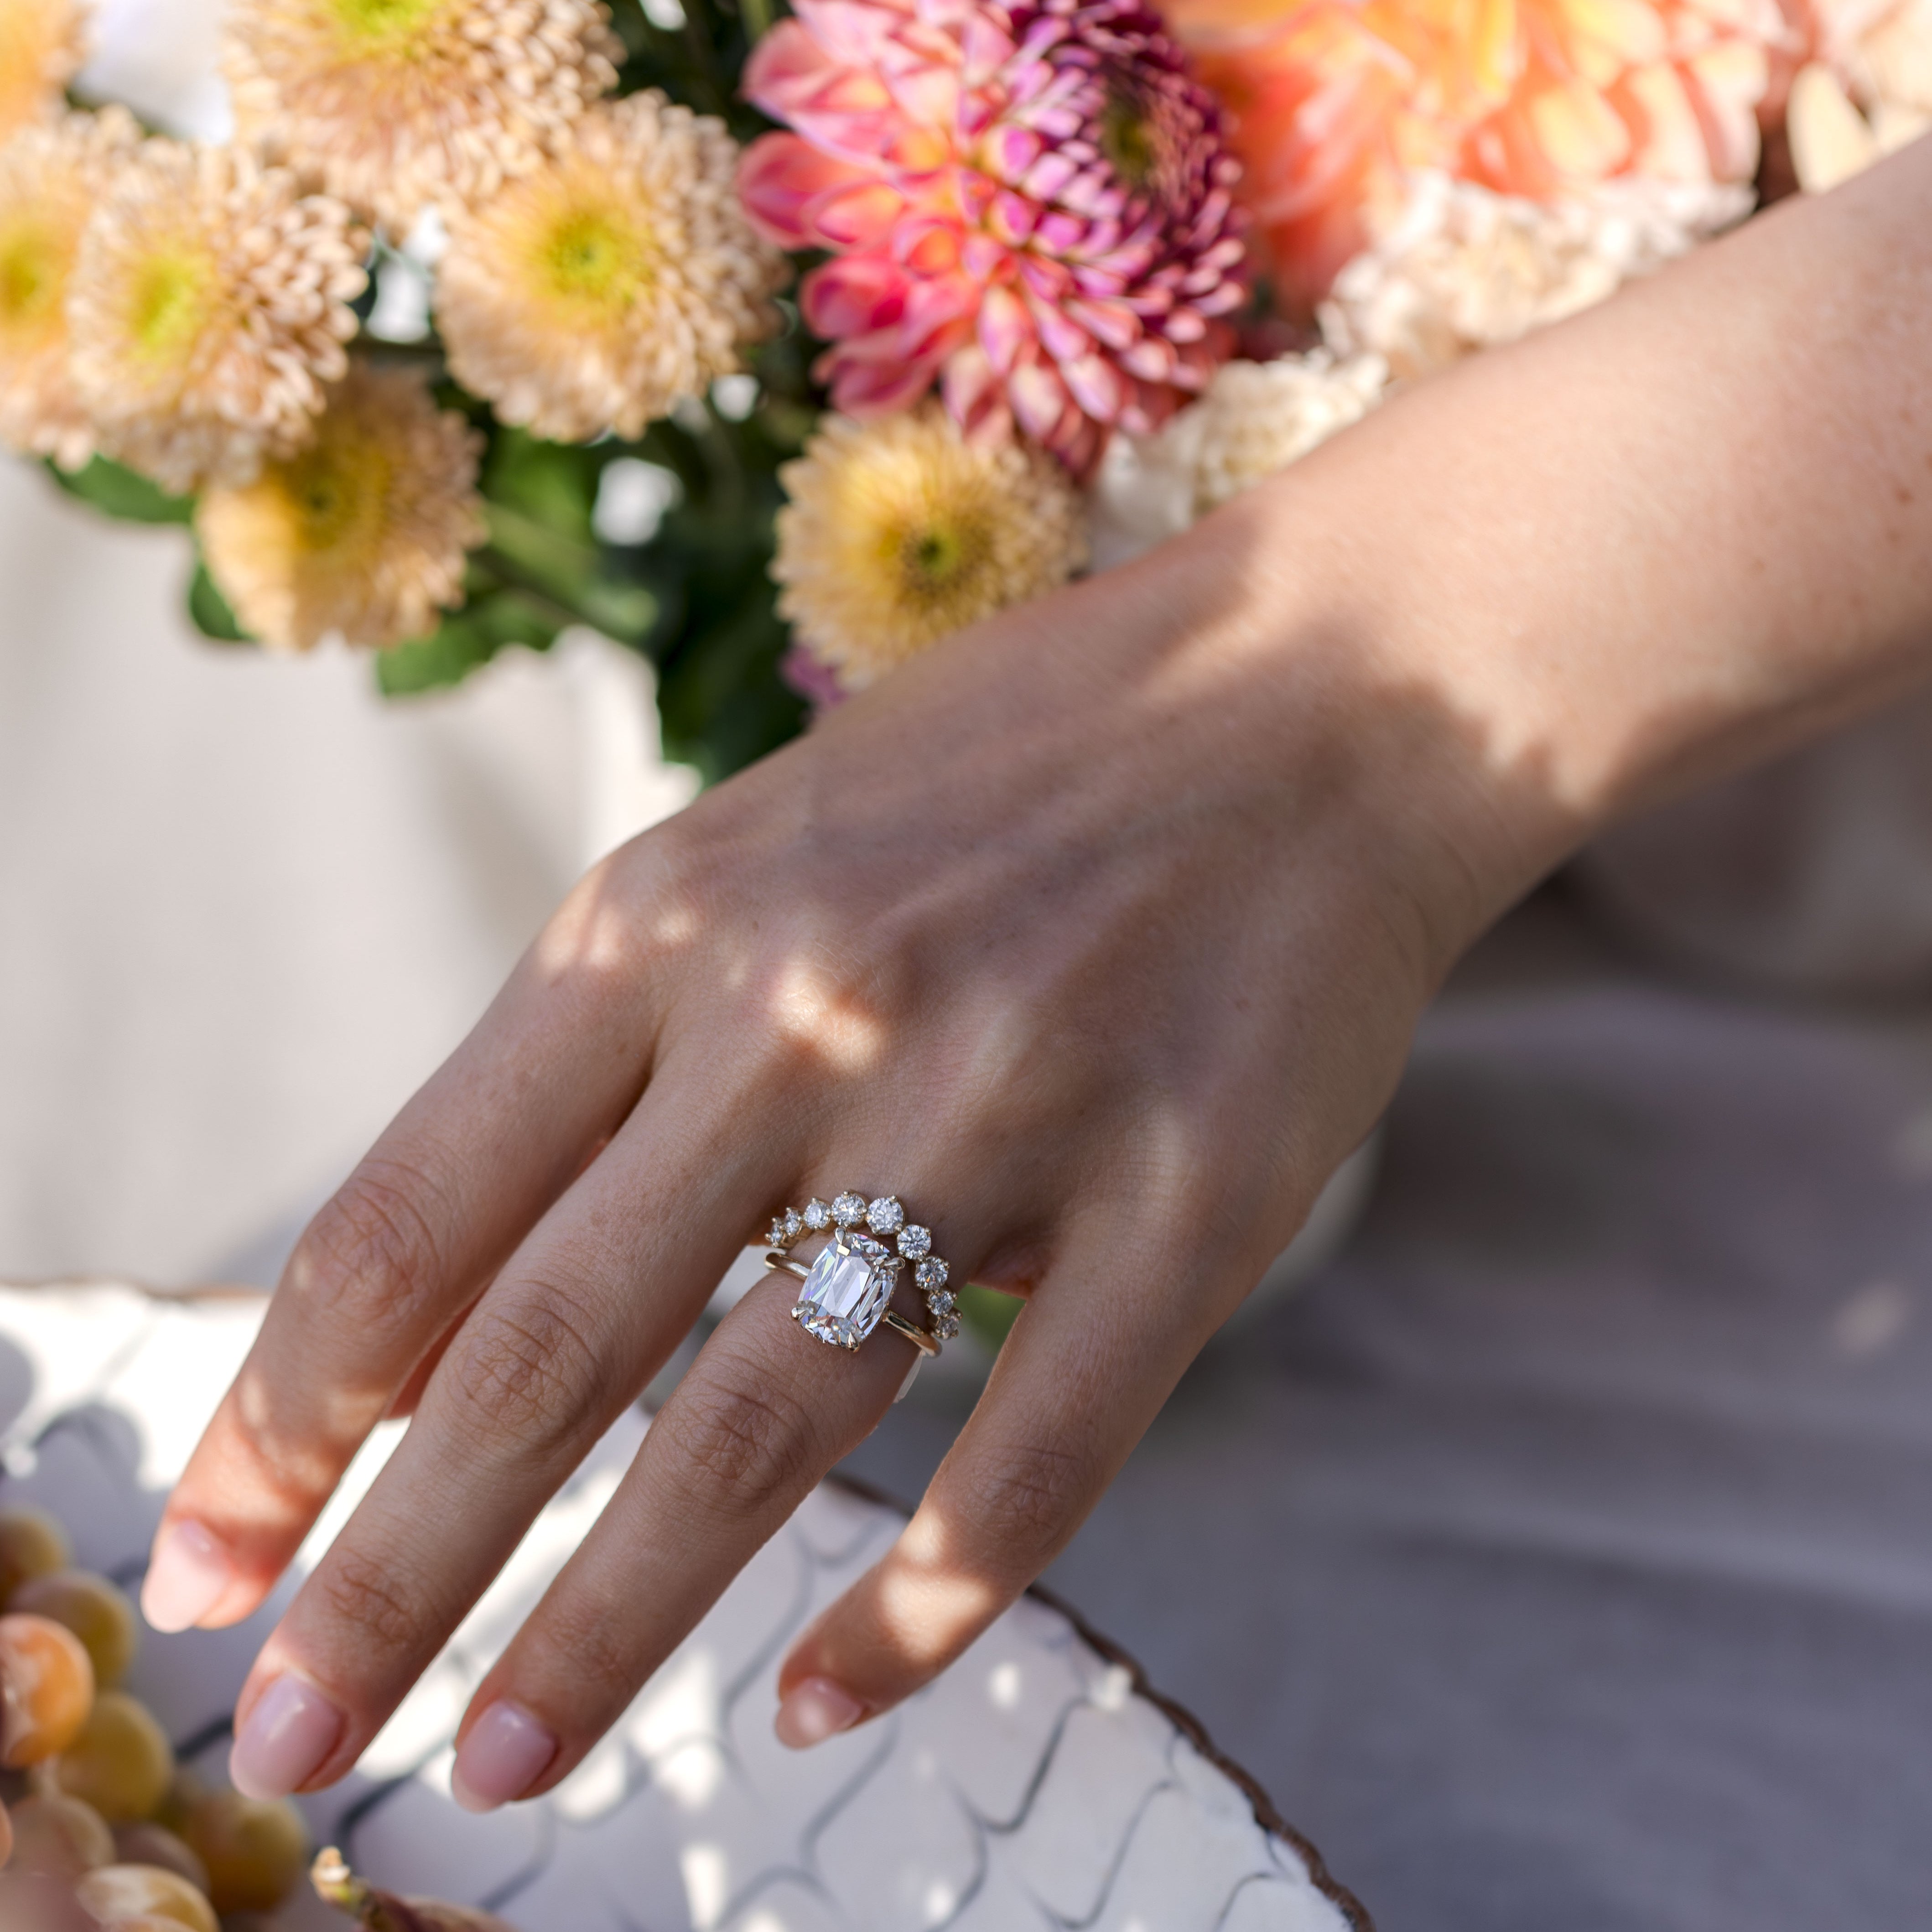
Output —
(256, 1851)
(151, 1844)
(95, 1610)
(121, 1762)
(376, 1911)
(30, 1902)
(122, 1896)
(59, 1836)
(31, 1543)
(186, 1789)
(47, 1689)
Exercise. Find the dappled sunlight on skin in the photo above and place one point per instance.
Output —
(809, 1008)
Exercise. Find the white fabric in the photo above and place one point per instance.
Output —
(246, 906)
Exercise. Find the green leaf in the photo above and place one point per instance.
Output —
(210, 611)
(119, 493)
(428, 663)
(989, 1314)
(470, 637)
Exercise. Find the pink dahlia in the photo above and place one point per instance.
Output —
(1030, 203)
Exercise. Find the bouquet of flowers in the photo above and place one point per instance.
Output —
(779, 348)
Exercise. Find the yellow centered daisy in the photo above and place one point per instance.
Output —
(174, 304)
(208, 309)
(619, 276)
(901, 532)
(363, 534)
(396, 105)
(41, 48)
(33, 264)
(50, 179)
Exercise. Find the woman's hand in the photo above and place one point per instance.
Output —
(1098, 950)
(1098, 936)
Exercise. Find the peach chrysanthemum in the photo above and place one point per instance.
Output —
(396, 105)
(50, 178)
(361, 535)
(620, 276)
(1256, 419)
(208, 307)
(1466, 268)
(1336, 102)
(42, 44)
(900, 532)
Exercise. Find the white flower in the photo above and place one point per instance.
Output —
(1256, 418)
(1463, 268)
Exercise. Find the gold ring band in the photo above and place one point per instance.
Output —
(926, 1344)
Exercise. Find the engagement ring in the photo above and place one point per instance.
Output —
(848, 1288)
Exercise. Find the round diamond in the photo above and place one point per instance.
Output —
(777, 1235)
(941, 1302)
(849, 1210)
(947, 1327)
(915, 1243)
(794, 1226)
(930, 1275)
(818, 1215)
(885, 1215)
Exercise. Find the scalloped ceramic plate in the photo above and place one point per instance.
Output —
(1039, 1784)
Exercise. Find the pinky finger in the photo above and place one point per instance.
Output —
(1084, 1371)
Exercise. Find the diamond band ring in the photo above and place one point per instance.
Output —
(848, 1288)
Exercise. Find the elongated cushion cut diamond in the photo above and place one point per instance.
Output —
(847, 1291)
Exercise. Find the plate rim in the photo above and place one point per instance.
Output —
(1267, 1814)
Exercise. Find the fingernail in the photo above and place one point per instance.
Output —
(188, 1574)
(814, 1711)
(293, 1728)
(506, 1751)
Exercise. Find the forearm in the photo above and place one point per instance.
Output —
(1676, 533)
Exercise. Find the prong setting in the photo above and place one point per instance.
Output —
(848, 1286)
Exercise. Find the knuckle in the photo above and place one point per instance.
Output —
(1028, 1503)
(526, 1370)
(602, 1649)
(372, 1598)
(371, 1258)
(742, 1445)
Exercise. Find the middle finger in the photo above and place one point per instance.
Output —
(587, 1310)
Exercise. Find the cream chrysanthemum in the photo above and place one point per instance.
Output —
(621, 276)
(50, 179)
(1257, 418)
(361, 535)
(1464, 269)
(396, 105)
(900, 532)
(1867, 92)
(42, 44)
(209, 308)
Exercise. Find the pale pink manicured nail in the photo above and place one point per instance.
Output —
(188, 1574)
(814, 1711)
(293, 1728)
(506, 1751)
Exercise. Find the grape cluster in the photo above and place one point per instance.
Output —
(101, 1830)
